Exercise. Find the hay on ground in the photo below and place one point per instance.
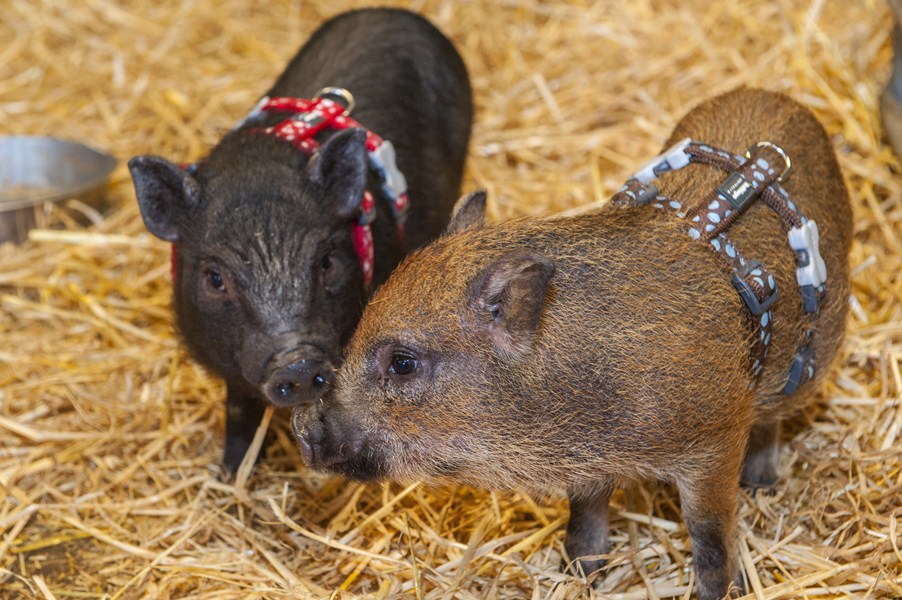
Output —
(110, 437)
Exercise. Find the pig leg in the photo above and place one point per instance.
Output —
(709, 507)
(243, 415)
(761, 456)
(587, 530)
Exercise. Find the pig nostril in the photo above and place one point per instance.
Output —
(301, 382)
(285, 389)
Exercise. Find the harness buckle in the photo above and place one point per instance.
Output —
(809, 299)
(755, 305)
(339, 96)
(801, 370)
(383, 162)
(673, 159)
(805, 240)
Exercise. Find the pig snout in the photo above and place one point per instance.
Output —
(320, 445)
(326, 444)
(297, 377)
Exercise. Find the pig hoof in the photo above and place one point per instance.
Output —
(734, 590)
(764, 489)
(759, 475)
(585, 569)
(234, 454)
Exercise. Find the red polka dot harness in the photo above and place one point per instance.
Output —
(330, 109)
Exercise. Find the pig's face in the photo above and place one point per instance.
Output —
(268, 284)
(429, 386)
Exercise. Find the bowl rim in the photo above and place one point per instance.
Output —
(107, 164)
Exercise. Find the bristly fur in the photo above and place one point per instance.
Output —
(637, 368)
(274, 226)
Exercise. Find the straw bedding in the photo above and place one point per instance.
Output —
(110, 437)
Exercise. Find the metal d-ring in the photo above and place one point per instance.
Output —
(778, 150)
(343, 96)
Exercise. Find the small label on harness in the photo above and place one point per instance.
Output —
(737, 190)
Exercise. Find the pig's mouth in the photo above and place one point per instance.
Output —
(324, 449)
(363, 467)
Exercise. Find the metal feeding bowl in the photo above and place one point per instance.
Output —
(38, 172)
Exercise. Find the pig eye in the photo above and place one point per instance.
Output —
(402, 364)
(331, 270)
(216, 280)
(494, 309)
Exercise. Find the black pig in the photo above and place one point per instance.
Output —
(268, 284)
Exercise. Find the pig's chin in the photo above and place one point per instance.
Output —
(364, 467)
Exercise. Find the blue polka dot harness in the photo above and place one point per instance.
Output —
(750, 177)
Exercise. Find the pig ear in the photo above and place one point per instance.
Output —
(165, 194)
(339, 169)
(469, 213)
(509, 296)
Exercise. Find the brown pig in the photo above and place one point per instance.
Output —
(577, 354)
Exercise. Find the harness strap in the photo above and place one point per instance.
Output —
(803, 238)
(330, 109)
(749, 178)
(733, 196)
(754, 283)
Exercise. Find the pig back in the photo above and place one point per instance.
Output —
(640, 360)
(734, 122)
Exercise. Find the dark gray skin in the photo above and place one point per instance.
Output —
(268, 285)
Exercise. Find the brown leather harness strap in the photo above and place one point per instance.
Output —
(749, 178)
